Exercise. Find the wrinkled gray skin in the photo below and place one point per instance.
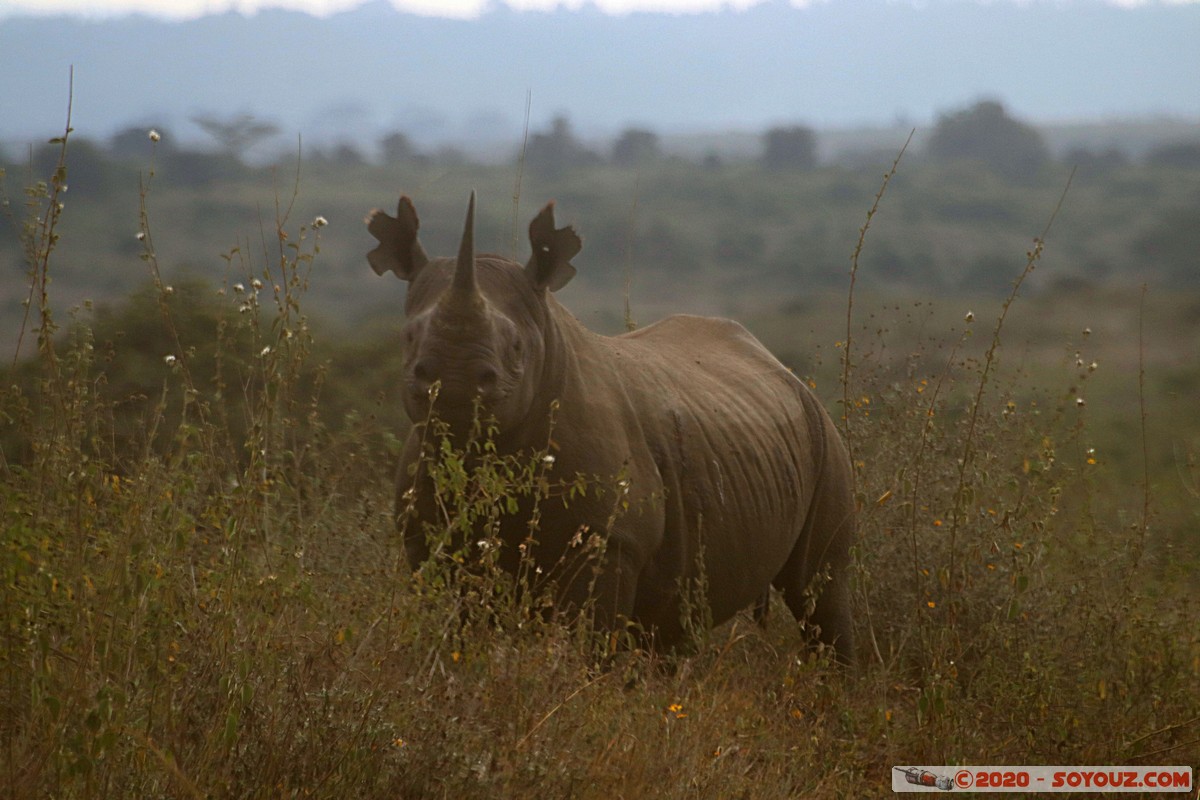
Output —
(730, 460)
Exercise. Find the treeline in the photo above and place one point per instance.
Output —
(744, 234)
(983, 133)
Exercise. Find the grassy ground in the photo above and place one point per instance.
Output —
(203, 596)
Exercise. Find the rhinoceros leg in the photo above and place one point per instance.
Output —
(824, 544)
(609, 586)
(762, 607)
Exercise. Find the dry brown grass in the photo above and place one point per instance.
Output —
(220, 610)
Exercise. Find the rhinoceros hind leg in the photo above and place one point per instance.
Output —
(823, 548)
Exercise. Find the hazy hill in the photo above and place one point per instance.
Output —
(372, 70)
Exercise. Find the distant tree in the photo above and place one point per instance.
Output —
(196, 169)
(1095, 162)
(557, 149)
(450, 156)
(397, 148)
(134, 141)
(345, 154)
(635, 146)
(1177, 155)
(238, 134)
(90, 172)
(793, 147)
(987, 134)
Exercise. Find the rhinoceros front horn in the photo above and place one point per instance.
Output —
(463, 289)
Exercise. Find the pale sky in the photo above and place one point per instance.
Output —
(184, 9)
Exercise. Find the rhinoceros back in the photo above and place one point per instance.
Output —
(740, 443)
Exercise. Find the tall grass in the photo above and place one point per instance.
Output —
(212, 602)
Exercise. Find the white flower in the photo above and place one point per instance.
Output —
(141, 236)
(969, 316)
(169, 360)
(1079, 401)
(320, 222)
(237, 287)
(265, 351)
(1092, 367)
(1087, 331)
(154, 135)
(256, 283)
(547, 459)
(168, 290)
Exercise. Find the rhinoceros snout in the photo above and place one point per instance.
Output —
(456, 387)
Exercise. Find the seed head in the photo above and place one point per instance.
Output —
(154, 135)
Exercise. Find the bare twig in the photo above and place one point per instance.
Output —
(41, 239)
(1032, 258)
(1140, 546)
(858, 248)
(626, 290)
(516, 196)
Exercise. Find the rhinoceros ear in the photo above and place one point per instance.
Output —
(398, 250)
(550, 265)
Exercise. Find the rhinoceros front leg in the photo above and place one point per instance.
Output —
(608, 586)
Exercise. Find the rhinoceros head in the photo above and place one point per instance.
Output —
(475, 325)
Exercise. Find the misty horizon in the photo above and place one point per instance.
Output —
(357, 75)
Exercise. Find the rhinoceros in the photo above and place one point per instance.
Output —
(735, 477)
